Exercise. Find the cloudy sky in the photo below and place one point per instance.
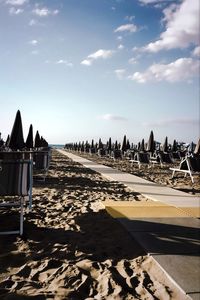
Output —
(83, 69)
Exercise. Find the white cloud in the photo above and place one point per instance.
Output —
(133, 60)
(119, 38)
(196, 51)
(182, 27)
(64, 62)
(16, 2)
(152, 1)
(130, 18)
(86, 62)
(110, 117)
(183, 69)
(120, 47)
(15, 11)
(101, 53)
(126, 27)
(44, 12)
(33, 42)
(120, 73)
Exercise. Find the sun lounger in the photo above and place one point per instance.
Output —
(15, 182)
(142, 158)
(41, 160)
(116, 154)
(189, 165)
(165, 158)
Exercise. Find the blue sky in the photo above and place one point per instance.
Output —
(83, 69)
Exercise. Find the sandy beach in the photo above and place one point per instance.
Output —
(72, 249)
(161, 175)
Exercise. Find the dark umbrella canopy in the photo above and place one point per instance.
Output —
(174, 146)
(165, 145)
(151, 143)
(37, 142)
(116, 146)
(124, 146)
(142, 148)
(29, 140)
(110, 144)
(100, 145)
(16, 141)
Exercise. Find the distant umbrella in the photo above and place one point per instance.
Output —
(123, 147)
(128, 146)
(174, 146)
(109, 144)
(151, 143)
(37, 142)
(29, 140)
(116, 146)
(16, 141)
(165, 145)
(142, 148)
(43, 142)
(197, 148)
(100, 145)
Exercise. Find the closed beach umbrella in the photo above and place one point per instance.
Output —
(100, 145)
(16, 141)
(37, 142)
(151, 143)
(123, 147)
(109, 145)
(174, 146)
(116, 146)
(142, 148)
(165, 145)
(29, 140)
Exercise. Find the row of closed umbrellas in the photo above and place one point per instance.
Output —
(15, 140)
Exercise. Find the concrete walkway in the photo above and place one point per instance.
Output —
(166, 224)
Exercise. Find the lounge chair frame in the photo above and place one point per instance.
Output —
(190, 171)
(21, 190)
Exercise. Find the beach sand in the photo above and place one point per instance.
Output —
(161, 175)
(72, 249)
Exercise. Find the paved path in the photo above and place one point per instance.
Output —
(166, 225)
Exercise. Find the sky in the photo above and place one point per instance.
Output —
(87, 69)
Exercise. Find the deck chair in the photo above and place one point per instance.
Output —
(116, 154)
(14, 187)
(165, 158)
(41, 160)
(101, 152)
(189, 165)
(141, 158)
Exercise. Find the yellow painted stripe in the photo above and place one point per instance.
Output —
(192, 211)
(142, 203)
(146, 212)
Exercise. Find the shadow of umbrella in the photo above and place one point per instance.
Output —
(16, 141)
(29, 140)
